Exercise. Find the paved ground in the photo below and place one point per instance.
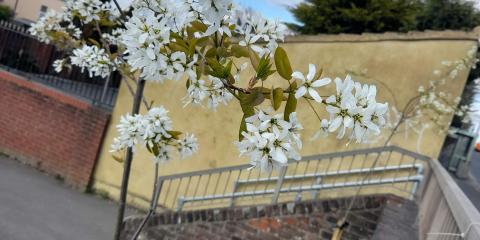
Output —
(36, 206)
(471, 186)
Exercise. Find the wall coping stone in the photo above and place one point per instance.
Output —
(388, 36)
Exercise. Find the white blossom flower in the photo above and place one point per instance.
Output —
(51, 23)
(178, 13)
(358, 112)
(156, 124)
(154, 131)
(323, 131)
(143, 38)
(212, 13)
(217, 93)
(294, 129)
(197, 91)
(86, 10)
(269, 140)
(308, 83)
(58, 65)
(368, 121)
(163, 155)
(94, 59)
(365, 93)
(255, 27)
(187, 145)
(128, 132)
(340, 115)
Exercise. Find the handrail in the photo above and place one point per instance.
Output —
(224, 183)
(307, 158)
(459, 207)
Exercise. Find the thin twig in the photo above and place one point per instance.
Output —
(313, 109)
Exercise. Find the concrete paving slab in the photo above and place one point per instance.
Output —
(36, 206)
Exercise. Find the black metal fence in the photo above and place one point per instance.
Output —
(22, 54)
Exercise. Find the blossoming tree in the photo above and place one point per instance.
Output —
(202, 43)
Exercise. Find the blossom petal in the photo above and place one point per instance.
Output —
(298, 75)
(359, 133)
(332, 109)
(321, 82)
(300, 92)
(142, 38)
(331, 99)
(150, 53)
(280, 156)
(348, 121)
(314, 95)
(311, 72)
(338, 85)
(256, 48)
(335, 124)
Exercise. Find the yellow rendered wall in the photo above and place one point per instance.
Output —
(400, 63)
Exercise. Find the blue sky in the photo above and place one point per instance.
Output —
(275, 9)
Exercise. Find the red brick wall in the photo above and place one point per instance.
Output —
(56, 132)
(284, 221)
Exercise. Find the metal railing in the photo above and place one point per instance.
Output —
(24, 55)
(90, 92)
(445, 211)
(332, 175)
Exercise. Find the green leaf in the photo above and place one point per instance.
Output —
(106, 23)
(94, 42)
(253, 58)
(200, 69)
(211, 53)
(228, 68)
(283, 64)
(118, 157)
(264, 68)
(191, 46)
(155, 149)
(239, 51)
(291, 105)
(202, 42)
(277, 98)
(222, 52)
(256, 96)
(175, 134)
(227, 72)
(249, 100)
(218, 70)
(177, 47)
(199, 26)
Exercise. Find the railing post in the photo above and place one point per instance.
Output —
(278, 187)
